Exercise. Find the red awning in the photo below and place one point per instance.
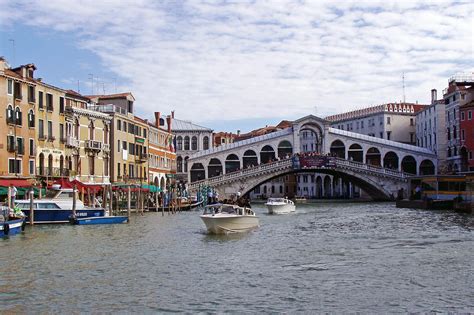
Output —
(79, 185)
(17, 182)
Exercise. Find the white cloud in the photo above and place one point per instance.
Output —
(212, 61)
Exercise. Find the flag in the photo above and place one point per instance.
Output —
(171, 143)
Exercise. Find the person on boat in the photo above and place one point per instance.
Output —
(13, 192)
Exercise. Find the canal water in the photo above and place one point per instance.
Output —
(327, 257)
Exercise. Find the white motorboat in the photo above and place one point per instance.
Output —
(225, 218)
(280, 205)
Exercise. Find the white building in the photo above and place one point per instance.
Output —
(394, 121)
(190, 139)
(431, 128)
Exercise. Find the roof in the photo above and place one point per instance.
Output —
(184, 125)
(112, 96)
(395, 108)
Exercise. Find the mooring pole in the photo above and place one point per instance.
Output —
(32, 209)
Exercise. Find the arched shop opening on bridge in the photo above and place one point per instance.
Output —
(373, 157)
(249, 159)
(214, 168)
(197, 172)
(427, 168)
(285, 149)
(409, 165)
(338, 149)
(390, 160)
(232, 163)
(356, 153)
(267, 154)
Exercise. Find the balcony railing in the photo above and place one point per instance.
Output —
(51, 138)
(42, 137)
(141, 158)
(72, 142)
(93, 145)
(53, 172)
(106, 147)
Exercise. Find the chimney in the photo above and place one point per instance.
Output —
(157, 119)
(168, 121)
(3, 64)
(238, 132)
(172, 114)
(434, 96)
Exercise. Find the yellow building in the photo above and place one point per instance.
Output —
(18, 99)
(129, 138)
(87, 141)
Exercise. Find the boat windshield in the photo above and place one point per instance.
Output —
(50, 194)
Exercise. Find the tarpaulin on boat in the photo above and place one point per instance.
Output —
(93, 188)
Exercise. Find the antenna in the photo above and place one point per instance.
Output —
(78, 87)
(103, 87)
(403, 84)
(13, 45)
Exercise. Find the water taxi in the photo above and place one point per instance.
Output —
(226, 218)
(280, 205)
(10, 222)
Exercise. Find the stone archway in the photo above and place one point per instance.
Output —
(310, 137)
(356, 153)
(285, 149)
(409, 165)
(249, 159)
(373, 157)
(232, 163)
(267, 154)
(390, 160)
(338, 149)
(197, 172)
(214, 168)
(427, 167)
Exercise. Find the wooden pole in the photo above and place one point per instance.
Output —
(111, 199)
(32, 209)
(104, 198)
(156, 200)
(129, 203)
(74, 201)
(9, 197)
(162, 204)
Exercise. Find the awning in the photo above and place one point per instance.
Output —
(152, 188)
(17, 182)
(93, 188)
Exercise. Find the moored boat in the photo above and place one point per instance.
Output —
(57, 207)
(10, 223)
(100, 220)
(280, 205)
(226, 218)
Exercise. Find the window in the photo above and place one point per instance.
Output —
(10, 119)
(18, 116)
(10, 87)
(144, 133)
(32, 147)
(31, 167)
(40, 99)
(17, 91)
(61, 105)
(31, 94)
(462, 116)
(41, 129)
(462, 135)
(61, 132)
(186, 143)
(119, 124)
(31, 119)
(362, 124)
(389, 133)
(448, 132)
(49, 102)
(411, 122)
(118, 146)
(388, 120)
(118, 169)
(130, 106)
(124, 145)
(20, 146)
(454, 132)
(206, 143)
(11, 144)
(106, 166)
(50, 130)
(194, 145)
(14, 166)
(469, 115)
(381, 134)
(91, 165)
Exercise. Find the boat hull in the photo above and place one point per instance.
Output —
(229, 224)
(100, 220)
(62, 216)
(280, 208)
(12, 227)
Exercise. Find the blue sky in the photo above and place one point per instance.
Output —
(242, 65)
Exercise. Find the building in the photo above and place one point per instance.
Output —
(190, 139)
(467, 132)
(393, 121)
(431, 129)
(222, 138)
(162, 155)
(18, 98)
(455, 96)
(129, 138)
(87, 141)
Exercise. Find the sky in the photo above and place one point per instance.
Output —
(240, 65)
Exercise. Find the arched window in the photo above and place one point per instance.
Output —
(186, 143)
(179, 164)
(31, 119)
(194, 143)
(18, 118)
(10, 114)
(205, 143)
(77, 127)
(179, 143)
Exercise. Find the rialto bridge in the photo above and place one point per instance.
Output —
(380, 167)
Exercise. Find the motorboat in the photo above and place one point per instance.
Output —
(12, 221)
(112, 219)
(56, 207)
(280, 205)
(226, 218)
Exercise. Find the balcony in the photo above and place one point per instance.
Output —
(106, 147)
(53, 172)
(141, 158)
(73, 142)
(93, 145)
(51, 138)
(42, 137)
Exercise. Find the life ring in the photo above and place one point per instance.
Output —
(6, 229)
(23, 225)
